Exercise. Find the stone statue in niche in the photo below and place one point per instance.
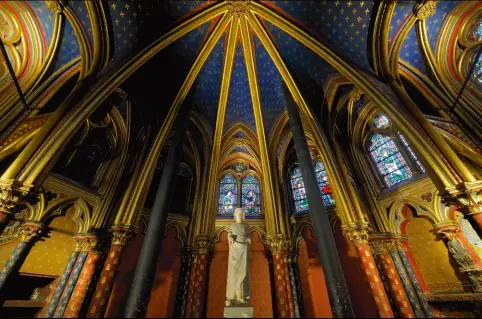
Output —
(238, 288)
(458, 251)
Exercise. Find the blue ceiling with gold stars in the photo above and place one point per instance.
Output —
(240, 105)
(435, 21)
(343, 25)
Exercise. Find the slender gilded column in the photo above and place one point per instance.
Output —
(121, 235)
(460, 249)
(279, 245)
(295, 284)
(415, 277)
(74, 276)
(146, 266)
(381, 250)
(196, 296)
(358, 234)
(95, 251)
(61, 285)
(183, 283)
(30, 232)
(335, 281)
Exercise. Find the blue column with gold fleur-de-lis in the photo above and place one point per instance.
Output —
(61, 285)
(69, 287)
(411, 295)
(30, 231)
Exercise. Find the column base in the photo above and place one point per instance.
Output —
(238, 312)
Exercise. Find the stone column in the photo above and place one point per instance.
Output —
(335, 281)
(295, 284)
(183, 283)
(279, 245)
(30, 232)
(198, 277)
(462, 252)
(50, 308)
(146, 266)
(95, 248)
(415, 277)
(121, 235)
(358, 234)
(381, 248)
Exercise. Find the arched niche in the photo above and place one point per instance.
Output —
(438, 270)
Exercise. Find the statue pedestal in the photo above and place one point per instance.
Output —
(238, 312)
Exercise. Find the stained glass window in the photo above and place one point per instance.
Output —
(250, 196)
(412, 154)
(298, 188)
(475, 34)
(380, 121)
(228, 195)
(325, 188)
(388, 159)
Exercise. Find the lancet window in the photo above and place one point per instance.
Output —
(298, 187)
(239, 188)
(391, 154)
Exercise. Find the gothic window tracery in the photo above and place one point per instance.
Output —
(391, 154)
(298, 187)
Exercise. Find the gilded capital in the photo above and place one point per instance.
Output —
(426, 10)
(55, 6)
(203, 244)
(357, 233)
(387, 244)
(10, 195)
(90, 242)
(30, 231)
(121, 235)
(278, 243)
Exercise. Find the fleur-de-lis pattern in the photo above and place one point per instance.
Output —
(343, 25)
(14, 261)
(67, 293)
(435, 21)
(239, 105)
(61, 285)
(401, 13)
(415, 283)
(80, 10)
(407, 284)
(45, 16)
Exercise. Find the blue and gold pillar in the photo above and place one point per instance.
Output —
(30, 232)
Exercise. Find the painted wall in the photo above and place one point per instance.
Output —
(362, 300)
(165, 283)
(260, 279)
(50, 255)
(438, 269)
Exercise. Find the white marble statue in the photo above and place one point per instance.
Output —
(238, 289)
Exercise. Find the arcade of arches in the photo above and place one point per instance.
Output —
(349, 132)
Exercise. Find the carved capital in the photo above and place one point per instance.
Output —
(90, 242)
(55, 6)
(238, 7)
(11, 192)
(355, 95)
(202, 244)
(426, 10)
(30, 231)
(357, 233)
(121, 235)
(278, 243)
(382, 244)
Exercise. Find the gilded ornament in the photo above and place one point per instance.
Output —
(238, 7)
(10, 195)
(14, 227)
(121, 235)
(427, 10)
(30, 231)
(357, 233)
(5, 28)
(427, 197)
(355, 95)
(278, 243)
(55, 6)
(202, 244)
